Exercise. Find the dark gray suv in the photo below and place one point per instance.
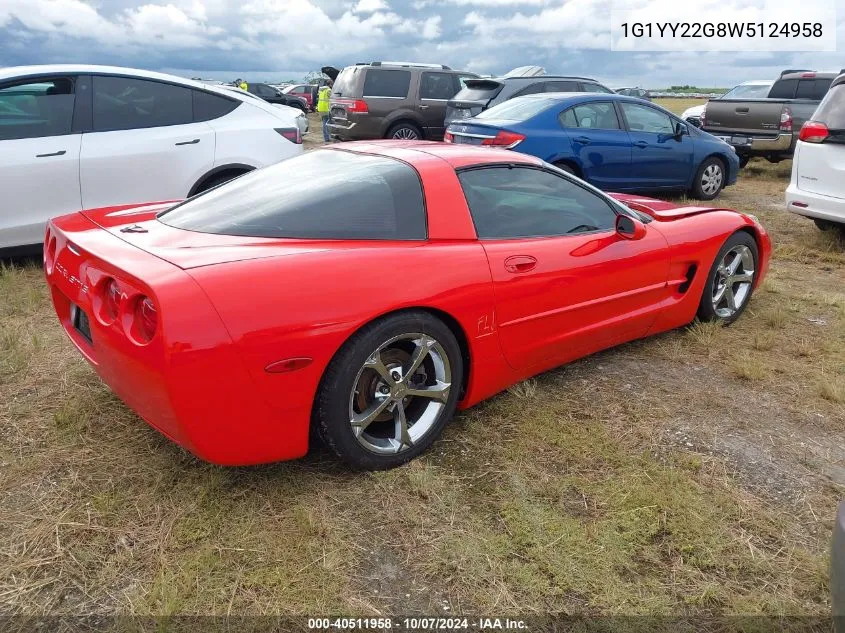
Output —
(480, 94)
(392, 100)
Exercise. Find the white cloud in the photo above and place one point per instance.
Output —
(431, 27)
(368, 6)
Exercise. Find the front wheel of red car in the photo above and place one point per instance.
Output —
(389, 391)
(730, 281)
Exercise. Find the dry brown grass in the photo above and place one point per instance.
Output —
(697, 470)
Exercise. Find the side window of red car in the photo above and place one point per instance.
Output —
(521, 202)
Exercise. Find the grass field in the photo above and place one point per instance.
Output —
(678, 105)
(697, 471)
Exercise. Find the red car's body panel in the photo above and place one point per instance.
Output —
(231, 308)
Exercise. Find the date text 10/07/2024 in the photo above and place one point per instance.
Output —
(417, 624)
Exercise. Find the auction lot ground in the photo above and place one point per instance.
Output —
(696, 470)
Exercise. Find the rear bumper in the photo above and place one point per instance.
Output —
(189, 381)
(780, 144)
(354, 129)
(818, 206)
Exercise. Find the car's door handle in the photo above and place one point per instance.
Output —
(520, 263)
(59, 153)
(424, 107)
(641, 144)
(584, 140)
(194, 142)
(742, 110)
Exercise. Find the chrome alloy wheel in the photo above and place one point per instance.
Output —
(399, 393)
(406, 134)
(732, 283)
(711, 179)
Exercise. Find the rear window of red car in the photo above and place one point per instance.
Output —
(325, 194)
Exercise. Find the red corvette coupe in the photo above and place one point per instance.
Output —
(368, 290)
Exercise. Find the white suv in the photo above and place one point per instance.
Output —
(81, 137)
(817, 187)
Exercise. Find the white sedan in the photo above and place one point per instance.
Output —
(75, 137)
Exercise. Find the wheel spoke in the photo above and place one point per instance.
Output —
(744, 277)
(717, 298)
(729, 296)
(361, 421)
(424, 344)
(374, 362)
(439, 392)
(402, 435)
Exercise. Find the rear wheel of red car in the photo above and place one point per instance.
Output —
(709, 180)
(730, 281)
(389, 391)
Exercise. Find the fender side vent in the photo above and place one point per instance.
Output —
(689, 277)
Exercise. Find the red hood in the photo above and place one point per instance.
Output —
(660, 209)
(188, 249)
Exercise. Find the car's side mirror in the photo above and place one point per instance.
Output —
(629, 228)
(680, 130)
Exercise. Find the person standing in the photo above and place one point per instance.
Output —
(323, 107)
(243, 85)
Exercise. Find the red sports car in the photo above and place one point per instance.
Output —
(367, 291)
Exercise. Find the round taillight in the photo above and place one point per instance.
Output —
(111, 300)
(146, 319)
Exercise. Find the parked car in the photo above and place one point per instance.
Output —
(613, 142)
(275, 96)
(74, 137)
(754, 89)
(480, 94)
(837, 571)
(392, 100)
(187, 311)
(817, 187)
(768, 127)
(642, 93)
(306, 92)
(300, 116)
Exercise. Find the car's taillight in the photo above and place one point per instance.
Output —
(358, 106)
(448, 137)
(146, 319)
(813, 132)
(291, 133)
(786, 120)
(111, 300)
(504, 139)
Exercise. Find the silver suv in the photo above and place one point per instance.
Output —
(480, 94)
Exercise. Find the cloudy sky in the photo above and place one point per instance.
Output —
(282, 39)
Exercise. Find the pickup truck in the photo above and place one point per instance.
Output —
(768, 127)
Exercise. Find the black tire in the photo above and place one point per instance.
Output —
(743, 161)
(706, 309)
(569, 169)
(704, 186)
(334, 397)
(827, 225)
(408, 129)
(217, 180)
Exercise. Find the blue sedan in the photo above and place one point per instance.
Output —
(614, 142)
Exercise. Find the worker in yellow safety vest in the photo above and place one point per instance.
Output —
(243, 85)
(323, 107)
